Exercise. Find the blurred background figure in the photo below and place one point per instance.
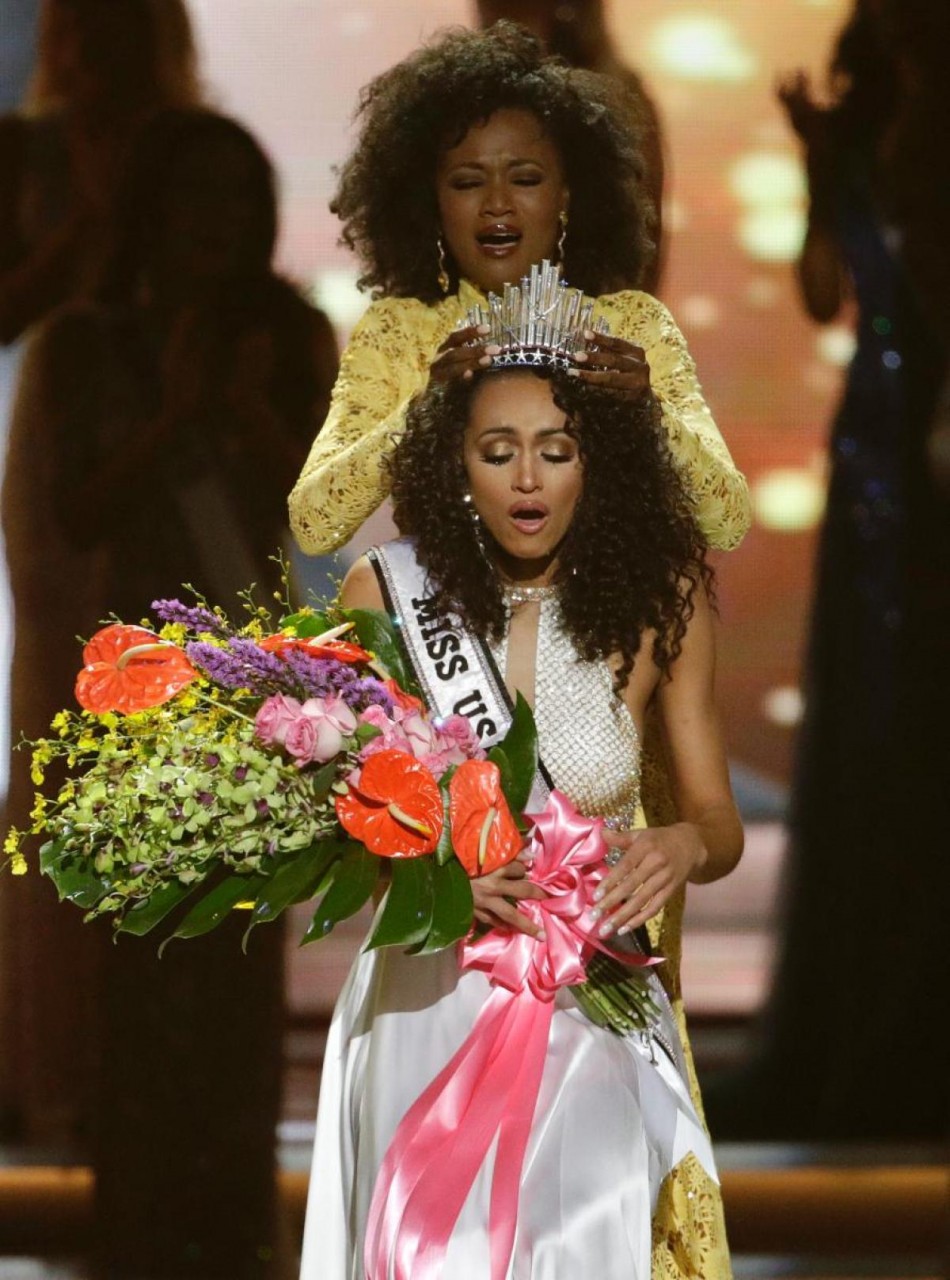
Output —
(577, 32)
(101, 69)
(863, 960)
(156, 434)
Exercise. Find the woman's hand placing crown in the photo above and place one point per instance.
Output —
(463, 354)
(614, 363)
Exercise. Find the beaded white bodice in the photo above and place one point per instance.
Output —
(587, 737)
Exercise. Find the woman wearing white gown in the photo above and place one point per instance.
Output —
(560, 533)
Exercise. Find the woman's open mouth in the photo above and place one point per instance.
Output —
(528, 517)
(498, 240)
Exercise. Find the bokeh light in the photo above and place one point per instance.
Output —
(788, 499)
(700, 46)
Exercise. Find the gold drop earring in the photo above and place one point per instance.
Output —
(562, 219)
(443, 277)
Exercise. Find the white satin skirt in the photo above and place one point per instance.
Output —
(610, 1123)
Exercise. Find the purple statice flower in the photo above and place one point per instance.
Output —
(195, 618)
(264, 672)
(373, 694)
(318, 677)
(367, 692)
(219, 665)
(241, 664)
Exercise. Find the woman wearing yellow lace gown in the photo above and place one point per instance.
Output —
(478, 157)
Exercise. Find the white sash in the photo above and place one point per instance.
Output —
(457, 673)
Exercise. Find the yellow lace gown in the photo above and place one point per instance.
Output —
(343, 482)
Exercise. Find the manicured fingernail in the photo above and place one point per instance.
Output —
(598, 895)
(581, 355)
(484, 360)
(467, 373)
(589, 335)
(493, 349)
(541, 936)
(596, 913)
(483, 328)
(624, 928)
(573, 373)
(605, 930)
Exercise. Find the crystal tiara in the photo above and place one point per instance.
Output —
(538, 323)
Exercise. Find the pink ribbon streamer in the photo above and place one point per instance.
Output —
(490, 1087)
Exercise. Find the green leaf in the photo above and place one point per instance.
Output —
(377, 633)
(79, 883)
(322, 781)
(73, 874)
(296, 881)
(407, 912)
(520, 745)
(307, 624)
(145, 915)
(216, 906)
(498, 757)
(353, 881)
(452, 910)
(51, 854)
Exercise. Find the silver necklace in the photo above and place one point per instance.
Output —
(516, 595)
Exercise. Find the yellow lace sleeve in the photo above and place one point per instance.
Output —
(718, 487)
(385, 363)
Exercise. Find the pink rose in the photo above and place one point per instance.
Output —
(391, 739)
(454, 742)
(419, 733)
(391, 736)
(377, 717)
(457, 735)
(275, 718)
(301, 740)
(319, 731)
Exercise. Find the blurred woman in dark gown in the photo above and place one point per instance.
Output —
(156, 435)
(102, 70)
(862, 962)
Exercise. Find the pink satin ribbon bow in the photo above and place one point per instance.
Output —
(490, 1087)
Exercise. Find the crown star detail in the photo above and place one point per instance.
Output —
(538, 323)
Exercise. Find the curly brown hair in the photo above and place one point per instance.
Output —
(412, 113)
(633, 556)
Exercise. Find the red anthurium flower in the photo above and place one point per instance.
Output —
(130, 669)
(317, 647)
(396, 809)
(484, 834)
(405, 701)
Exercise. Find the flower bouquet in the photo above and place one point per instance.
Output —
(215, 766)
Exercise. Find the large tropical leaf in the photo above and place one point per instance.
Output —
(296, 881)
(353, 881)
(378, 634)
(452, 907)
(146, 915)
(406, 916)
(216, 906)
(306, 625)
(73, 874)
(520, 745)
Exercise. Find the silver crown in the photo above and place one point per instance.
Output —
(538, 323)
